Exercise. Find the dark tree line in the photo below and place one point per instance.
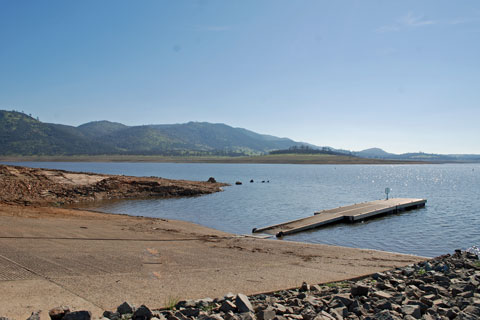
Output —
(303, 149)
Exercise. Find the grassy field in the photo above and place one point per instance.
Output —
(277, 158)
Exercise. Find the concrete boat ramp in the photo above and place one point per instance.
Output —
(351, 213)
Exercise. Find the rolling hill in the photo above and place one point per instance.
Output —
(22, 135)
(377, 153)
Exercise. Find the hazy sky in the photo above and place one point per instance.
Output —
(400, 75)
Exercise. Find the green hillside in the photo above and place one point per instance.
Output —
(21, 134)
(100, 128)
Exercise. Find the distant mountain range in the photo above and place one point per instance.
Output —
(377, 153)
(21, 134)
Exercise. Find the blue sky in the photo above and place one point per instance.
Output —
(399, 75)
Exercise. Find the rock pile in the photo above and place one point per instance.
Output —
(446, 287)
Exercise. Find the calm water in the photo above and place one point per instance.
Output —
(450, 220)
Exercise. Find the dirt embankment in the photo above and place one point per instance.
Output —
(29, 186)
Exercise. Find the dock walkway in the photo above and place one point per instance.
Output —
(351, 213)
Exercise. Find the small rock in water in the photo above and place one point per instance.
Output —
(238, 183)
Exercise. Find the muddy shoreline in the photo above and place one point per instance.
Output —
(48, 187)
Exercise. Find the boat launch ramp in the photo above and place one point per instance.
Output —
(351, 213)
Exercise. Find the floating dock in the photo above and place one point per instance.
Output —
(352, 213)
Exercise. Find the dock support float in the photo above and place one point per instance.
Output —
(352, 213)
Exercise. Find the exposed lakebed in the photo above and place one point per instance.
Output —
(450, 220)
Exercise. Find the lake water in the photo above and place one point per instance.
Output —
(450, 220)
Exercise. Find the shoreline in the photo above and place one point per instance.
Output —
(152, 262)
(52, 256)
(90, 260)
(266, 159)
(146, 260)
